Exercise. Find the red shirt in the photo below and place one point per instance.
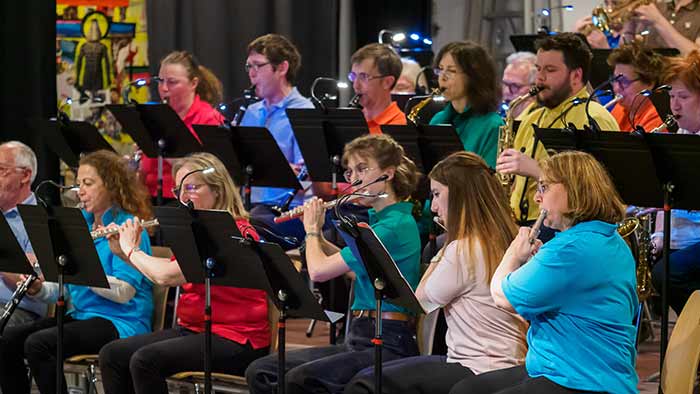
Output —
(200, 112)
(646, 117)
(238, 314)
(391, 115)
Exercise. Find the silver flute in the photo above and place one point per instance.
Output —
(103, 232)
(535, 230)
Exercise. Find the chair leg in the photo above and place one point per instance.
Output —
(647, 318)
(91, 379)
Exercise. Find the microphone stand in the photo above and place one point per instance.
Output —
(646, 94)
(592, 122)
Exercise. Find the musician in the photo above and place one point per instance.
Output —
(518, 77)
(578, 290)
(273, 65)
(375, 70)
(17, 173)
(328, 369)
(672, 24)
(190, 89)
(683, 74)
(109, 193)
(468, 76)
(240, 328)
(480, 336)
(563, 63)
(595, 37)
(636, 68)
(411, 78)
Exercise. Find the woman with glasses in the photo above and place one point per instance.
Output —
(190, 89)
(636, 72)
(109, 194)
(480, 336)
(240, 325)
(683, 74)
(468, 78)
(578, 291)
(388, 177)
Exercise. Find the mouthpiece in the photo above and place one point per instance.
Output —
(438, 221)
(534, 90)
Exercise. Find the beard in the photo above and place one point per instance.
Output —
(557, 95)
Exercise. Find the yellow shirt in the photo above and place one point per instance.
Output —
(524, 189)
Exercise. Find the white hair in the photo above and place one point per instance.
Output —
(524, 59)
(24, 156)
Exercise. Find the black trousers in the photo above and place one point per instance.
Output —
(141, 364)
(328, 369)
(37, 342)
(513, 380)
(411, 375)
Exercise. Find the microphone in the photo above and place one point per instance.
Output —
(318, 103)
(73, 187)
(592, 122)
(645, 94)
(342, 200)
(138, 83)
(189, 203)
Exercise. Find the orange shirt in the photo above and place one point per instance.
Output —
(646, 117)
(391, 115)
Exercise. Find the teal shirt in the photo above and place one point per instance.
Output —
(398, 231)
(132, 318)
(479, 133)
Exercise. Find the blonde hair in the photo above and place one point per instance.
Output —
(478, 210)
(387, 153)
(227, 196)
(590, 191)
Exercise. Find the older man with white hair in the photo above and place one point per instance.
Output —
(17, 172)
(518, 77)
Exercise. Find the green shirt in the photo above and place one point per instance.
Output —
(478, 132)
(398, 231)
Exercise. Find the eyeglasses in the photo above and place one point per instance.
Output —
(624, 82)
(6, 169)
(255, 67)
(543, 186)
(360, 171)
(363, 77)
(445, 73)
(189, 188)
(513, 86)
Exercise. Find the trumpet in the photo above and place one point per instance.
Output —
(413, 116)
(669, 121)
(535, 230)
(113, 230)
(299, 211)
(614, 101)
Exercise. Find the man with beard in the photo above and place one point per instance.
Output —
(563, 63)
(17, 172)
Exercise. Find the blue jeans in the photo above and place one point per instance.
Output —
(328, 369)
(684, 275)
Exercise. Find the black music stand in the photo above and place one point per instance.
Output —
(291, 296)
(388, 282)
(158, 131)
(668, 164)
(13, 260)
(60, 234)
(69, 139)
(256, 153)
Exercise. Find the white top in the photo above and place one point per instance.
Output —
(480, 335)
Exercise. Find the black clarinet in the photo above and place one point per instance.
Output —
(248, 98)
(16, 298)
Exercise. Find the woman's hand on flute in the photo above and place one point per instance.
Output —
(314, 215)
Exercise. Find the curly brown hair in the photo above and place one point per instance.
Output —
(125, 189)
(644, 60)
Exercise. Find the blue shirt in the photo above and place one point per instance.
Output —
(579, 294)
(15, 221)
(274, 118)
(398, 231)
(132, 318)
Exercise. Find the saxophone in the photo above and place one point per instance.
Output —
(639, 226)
(413, 116)
(506, 136)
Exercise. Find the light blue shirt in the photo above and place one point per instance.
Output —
(274, 118)
(133, 317)
(685, 228)
(15, 221)
(579, 294)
